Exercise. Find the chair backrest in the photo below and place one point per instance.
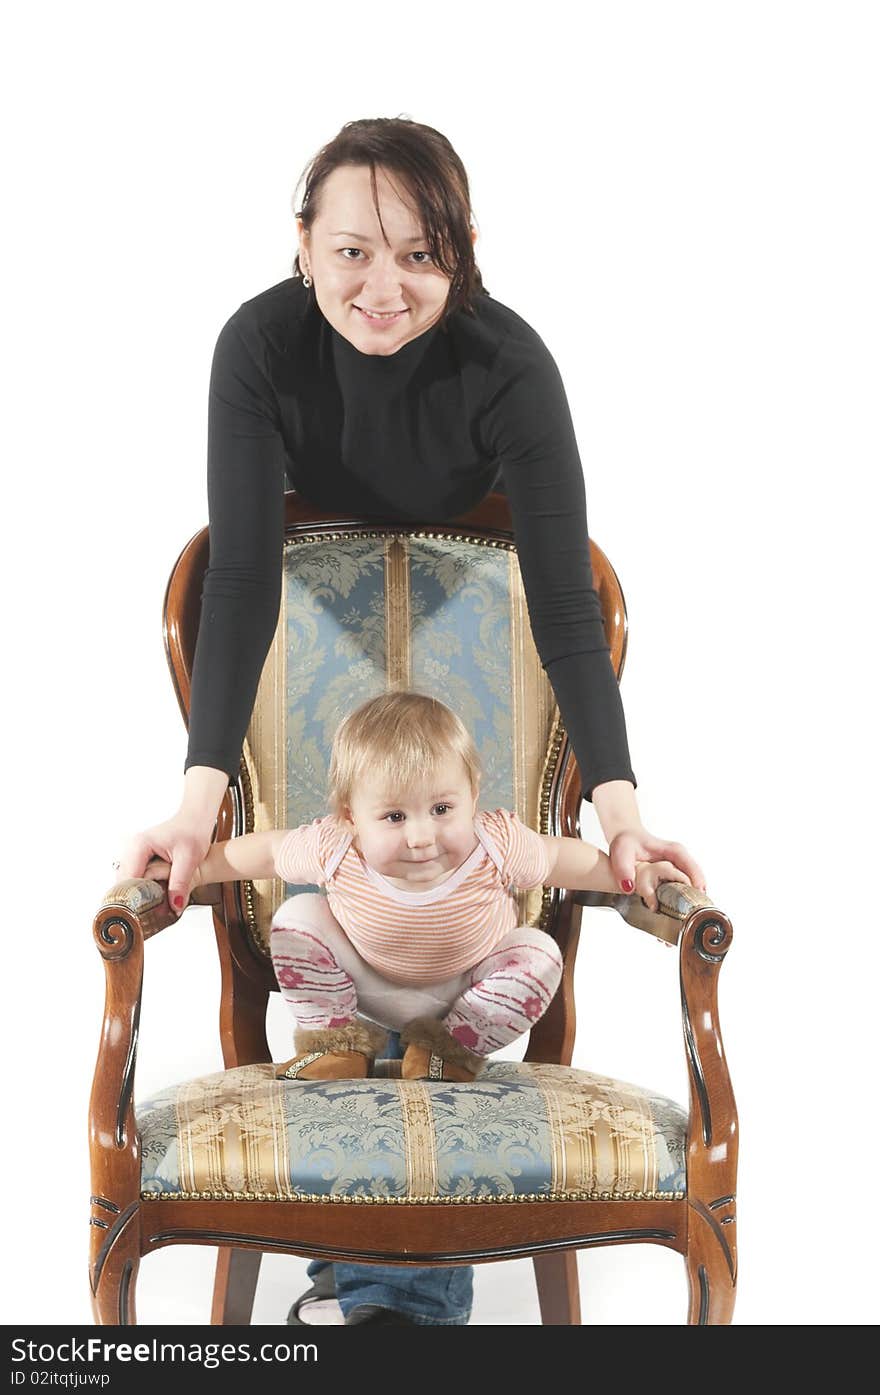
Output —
(367, 607)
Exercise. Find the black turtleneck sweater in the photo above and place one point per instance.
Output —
(424, 433)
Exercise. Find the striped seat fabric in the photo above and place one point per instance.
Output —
(521, 1132)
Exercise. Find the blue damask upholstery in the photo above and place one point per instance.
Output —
(521, 1131)
(365, 612)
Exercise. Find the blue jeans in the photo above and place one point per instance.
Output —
(437, 1295)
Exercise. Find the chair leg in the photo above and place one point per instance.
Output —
(243, 1004)
(711, 1278)
(114, 1274)
(558, 1292)
(235, 1284)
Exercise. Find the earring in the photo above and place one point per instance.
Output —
(307, 280)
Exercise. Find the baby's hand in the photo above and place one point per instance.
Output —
(649, 875)
(158, 870)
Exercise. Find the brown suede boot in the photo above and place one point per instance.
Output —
(334, 1053)
(433, 1053)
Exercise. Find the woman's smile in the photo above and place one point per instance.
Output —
(380, 318)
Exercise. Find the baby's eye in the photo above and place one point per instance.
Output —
(397, 816)
(442, 808)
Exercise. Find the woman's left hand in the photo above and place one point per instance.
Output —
(631, 845)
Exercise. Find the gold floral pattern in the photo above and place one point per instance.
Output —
(519, 1130)
(360, 614)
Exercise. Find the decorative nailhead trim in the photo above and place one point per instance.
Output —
(392, 531)
(551, 765)
(414, 1200)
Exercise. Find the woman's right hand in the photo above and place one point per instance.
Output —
(182, 842)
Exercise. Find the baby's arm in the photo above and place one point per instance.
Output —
(579, 866)
(248, 858)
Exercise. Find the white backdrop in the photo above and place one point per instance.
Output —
(682, 199)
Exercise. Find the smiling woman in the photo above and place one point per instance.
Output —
(380, 288)
(402, 186)
(382, 379)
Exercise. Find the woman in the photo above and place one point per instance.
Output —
(383, 379)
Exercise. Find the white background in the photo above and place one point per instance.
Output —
(682, 199)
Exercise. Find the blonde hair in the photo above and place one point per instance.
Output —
(401, 737)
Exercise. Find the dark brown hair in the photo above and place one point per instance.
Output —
(433, 176)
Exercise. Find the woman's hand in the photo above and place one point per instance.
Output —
(649, 875)
(158, 870)
(177, 847)
(631, 845)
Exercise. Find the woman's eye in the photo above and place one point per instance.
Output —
(357, 250)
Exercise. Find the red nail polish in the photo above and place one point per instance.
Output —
(177, 901)
(627, 885)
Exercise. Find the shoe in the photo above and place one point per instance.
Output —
(322, 1294)
(433, 1053)
(326, 1065)
(334, 1053)
(372, 1312)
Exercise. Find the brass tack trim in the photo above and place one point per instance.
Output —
(438, 534)
(414, 1200)
(550, 762)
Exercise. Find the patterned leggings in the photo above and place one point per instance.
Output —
(326, 982)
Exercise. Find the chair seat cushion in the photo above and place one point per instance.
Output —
(521, 1131)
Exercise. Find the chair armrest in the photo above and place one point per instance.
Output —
(148, 901)
(132, 911)
(713, 1126)
(677, 900)
(144, 901)
(704, 934)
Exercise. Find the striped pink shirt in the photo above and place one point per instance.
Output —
(418, 937)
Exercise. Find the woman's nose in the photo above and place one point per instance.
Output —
(383, 278)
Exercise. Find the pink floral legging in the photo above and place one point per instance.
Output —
(326, 982)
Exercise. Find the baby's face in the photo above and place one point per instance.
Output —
(416, 837)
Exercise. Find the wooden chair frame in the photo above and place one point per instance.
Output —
(124, 1227)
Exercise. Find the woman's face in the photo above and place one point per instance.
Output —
(355, 271)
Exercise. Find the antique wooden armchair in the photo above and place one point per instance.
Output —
(533, 1158)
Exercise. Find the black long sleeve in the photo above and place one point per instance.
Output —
(528, 423)
(242, 588)
(421, 434)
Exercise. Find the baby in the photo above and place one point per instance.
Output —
(417, 932)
